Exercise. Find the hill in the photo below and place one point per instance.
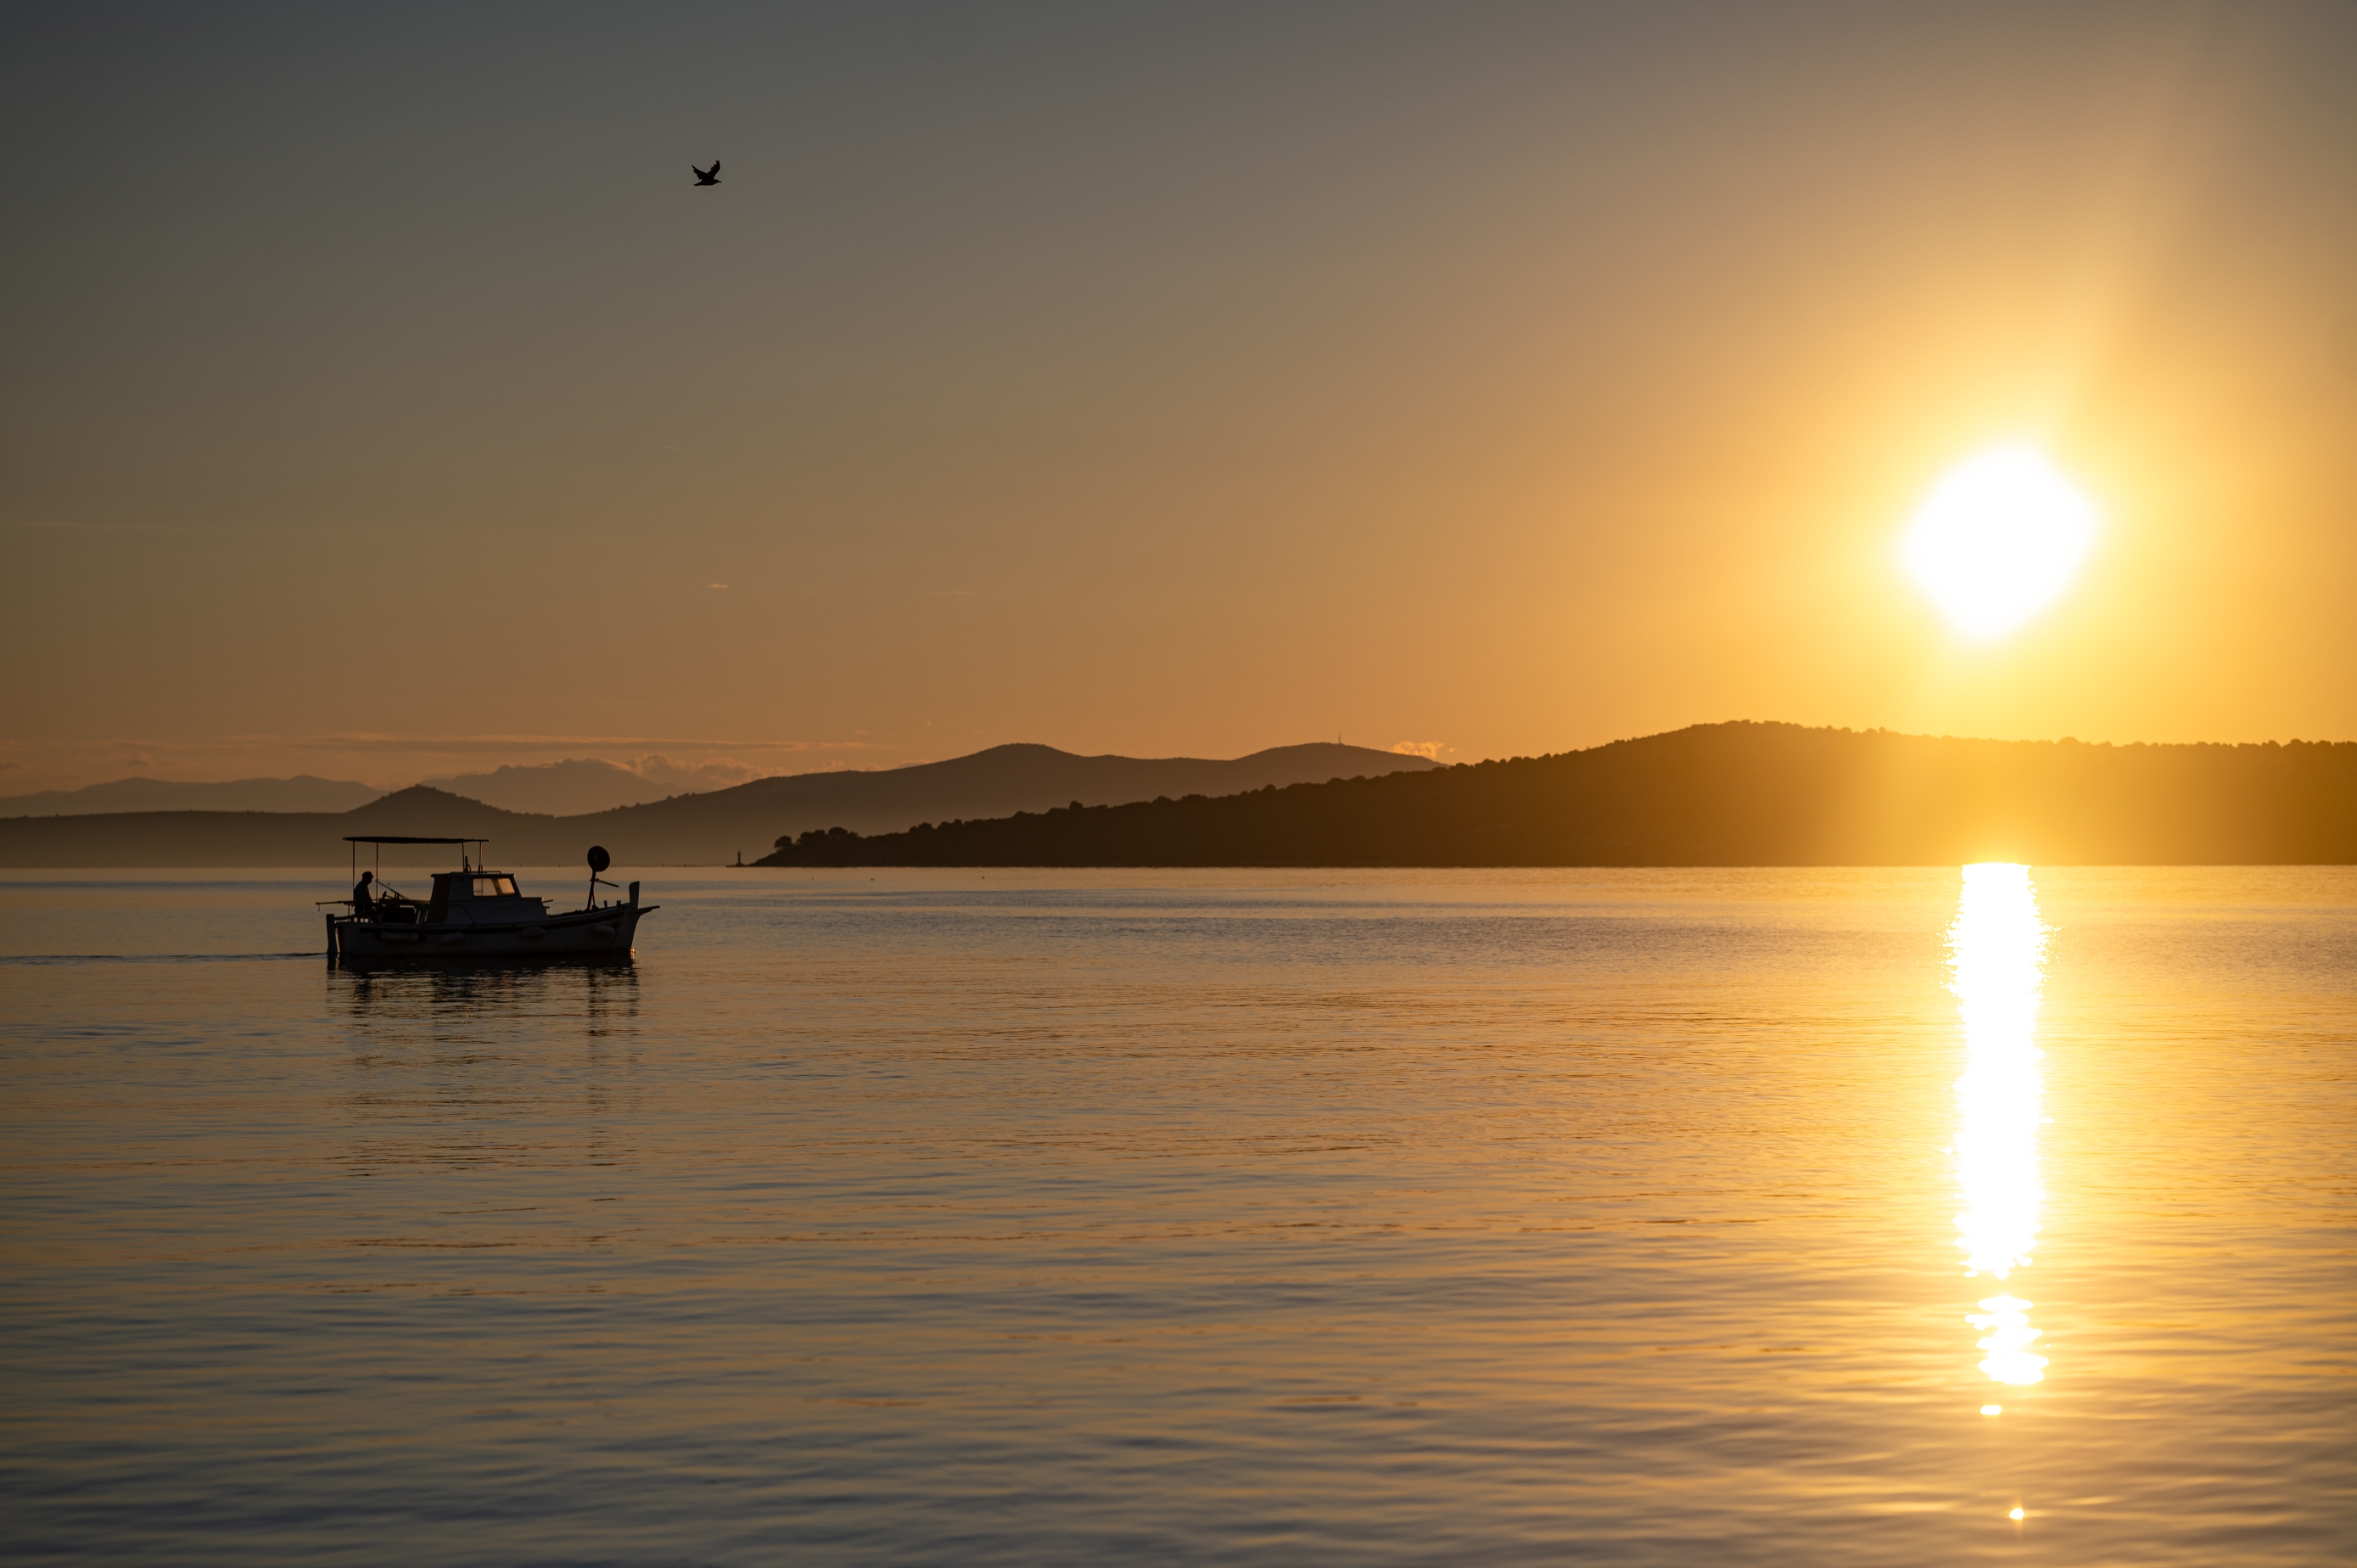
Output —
(1730, 794)
(711, 828)
(300, 793)
(688, 829)
(580, 786)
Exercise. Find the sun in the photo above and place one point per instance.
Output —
(1998, 540)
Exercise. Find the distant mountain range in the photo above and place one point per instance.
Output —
(1733, 794)
(708, 829)
(569, 788)
(572, 788)
(300, 793)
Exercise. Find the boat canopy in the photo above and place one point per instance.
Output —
(387, 838)
(380, 840)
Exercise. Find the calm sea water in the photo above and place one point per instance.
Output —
(1186, 1217)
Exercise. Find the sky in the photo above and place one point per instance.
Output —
(381, 397)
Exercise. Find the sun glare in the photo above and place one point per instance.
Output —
(1998, 540)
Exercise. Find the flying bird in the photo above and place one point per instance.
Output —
(707, 175)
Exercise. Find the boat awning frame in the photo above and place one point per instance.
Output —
(386, 838)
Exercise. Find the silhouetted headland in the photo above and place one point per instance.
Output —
(1726, 794)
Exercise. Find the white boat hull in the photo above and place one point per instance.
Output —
(604, 934)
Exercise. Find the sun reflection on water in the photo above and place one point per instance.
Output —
(1998, 956)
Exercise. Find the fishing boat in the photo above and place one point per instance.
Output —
(476, 912)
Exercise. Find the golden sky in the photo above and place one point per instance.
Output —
(381, 399)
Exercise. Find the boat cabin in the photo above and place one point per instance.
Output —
(479, 898)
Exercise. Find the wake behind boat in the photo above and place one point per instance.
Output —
(476, 912)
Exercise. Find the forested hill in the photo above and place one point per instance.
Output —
(1728, 794)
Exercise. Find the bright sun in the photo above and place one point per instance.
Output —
(1998, 540)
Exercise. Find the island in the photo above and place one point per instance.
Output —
(1742, 793)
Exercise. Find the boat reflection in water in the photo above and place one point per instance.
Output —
(1997, 959)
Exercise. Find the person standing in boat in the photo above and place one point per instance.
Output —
(364, 901)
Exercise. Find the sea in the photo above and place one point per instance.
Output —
(1943, 1215)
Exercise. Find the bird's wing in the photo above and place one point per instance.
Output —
(716, 166)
